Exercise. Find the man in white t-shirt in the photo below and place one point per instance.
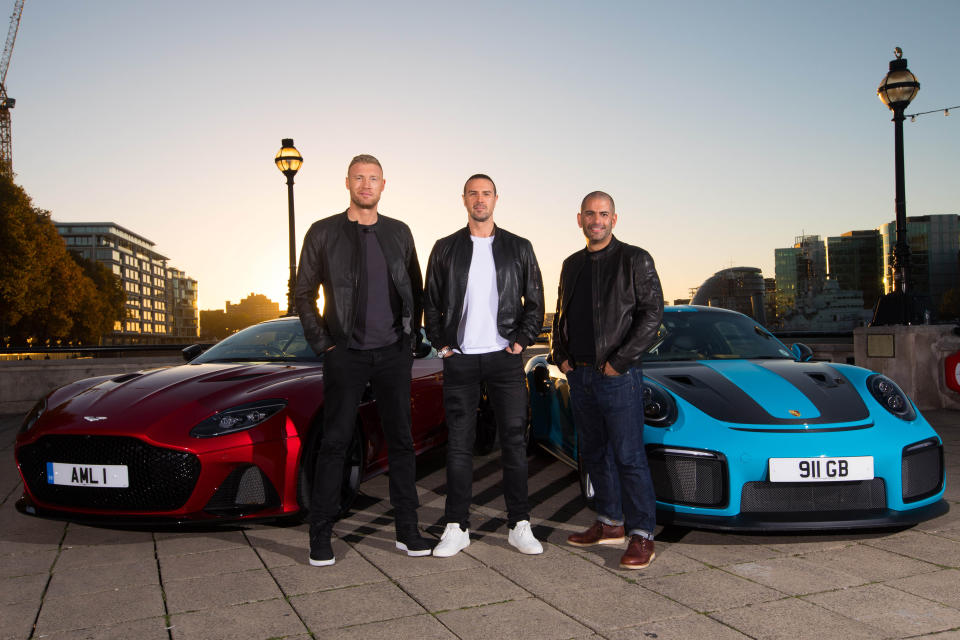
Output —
(483, 305)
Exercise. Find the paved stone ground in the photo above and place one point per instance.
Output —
(64, 581)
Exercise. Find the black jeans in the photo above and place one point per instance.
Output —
(502, 373)
(346, 373)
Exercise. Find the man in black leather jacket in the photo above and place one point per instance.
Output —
(609, 308)
(483, 305)
(372, 292)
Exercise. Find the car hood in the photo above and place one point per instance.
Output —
(188, 392)
(763, 392)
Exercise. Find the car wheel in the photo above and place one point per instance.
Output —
(352, 470)
(586, 487)
(486, 432)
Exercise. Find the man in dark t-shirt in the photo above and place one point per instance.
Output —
(372, 291)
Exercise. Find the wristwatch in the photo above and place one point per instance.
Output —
(443, 352)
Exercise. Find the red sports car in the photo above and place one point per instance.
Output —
(232, 434)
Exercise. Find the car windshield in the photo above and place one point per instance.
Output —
(281, 341)
(713, 335)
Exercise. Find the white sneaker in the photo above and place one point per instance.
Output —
(453, 541)
(522, 538)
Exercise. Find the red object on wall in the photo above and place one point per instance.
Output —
(952, 371)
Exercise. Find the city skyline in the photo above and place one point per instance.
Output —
(721, 131)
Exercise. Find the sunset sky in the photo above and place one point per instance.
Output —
(722, 129)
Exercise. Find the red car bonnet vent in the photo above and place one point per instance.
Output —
(245, 376)
(127, 376)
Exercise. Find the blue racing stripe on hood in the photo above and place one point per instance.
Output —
(775, 394)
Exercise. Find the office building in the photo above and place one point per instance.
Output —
(934, 254)
(737, 288)
(855, 261)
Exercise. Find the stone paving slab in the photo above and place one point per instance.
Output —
(354, 605)
(796, 619)
(686, 628)
(267, 619)
(84, 609)
(148, 629)
(208, 592)
(897, 613)
(530, 619)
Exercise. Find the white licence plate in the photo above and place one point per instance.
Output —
(88, 475)
(821, 469)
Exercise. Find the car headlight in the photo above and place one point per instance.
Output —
(891, 397)
(659, 408)
(33, 416)
(237, 418)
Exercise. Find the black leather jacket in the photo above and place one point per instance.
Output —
(331, 257)
(627, 304)
(519, 288)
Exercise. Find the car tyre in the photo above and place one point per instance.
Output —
(352, 470)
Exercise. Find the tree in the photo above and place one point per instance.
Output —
(45, 294)
(102, 303)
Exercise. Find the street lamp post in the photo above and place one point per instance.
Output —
(288, 161)
(896, 90)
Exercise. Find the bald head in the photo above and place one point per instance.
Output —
(598, 194)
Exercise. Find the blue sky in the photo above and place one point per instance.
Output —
(722, 129)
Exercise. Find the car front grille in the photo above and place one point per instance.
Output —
(788, 497)
(160, 479)
(688, 477)
(921, 470)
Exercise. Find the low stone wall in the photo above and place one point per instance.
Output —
(23, 382)
(914, 357)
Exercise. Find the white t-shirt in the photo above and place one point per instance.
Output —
(478, 323)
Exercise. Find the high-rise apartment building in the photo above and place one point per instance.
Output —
(182, 320)
(855, 261)
(143, 275)
(934, 254)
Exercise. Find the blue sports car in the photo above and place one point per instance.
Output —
(744, 433)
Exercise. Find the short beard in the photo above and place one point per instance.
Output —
(477, 217)
(361, 205)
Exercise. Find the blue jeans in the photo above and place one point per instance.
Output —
(608, 413)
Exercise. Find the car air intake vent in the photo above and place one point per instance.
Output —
(160, 479)
(245, 376)
(685, 380)
(245, 490)
(921, 470)
(787, 497)
(689, 477)
(127, 376)
(824, 380)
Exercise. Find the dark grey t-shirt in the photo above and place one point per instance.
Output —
(378, 312)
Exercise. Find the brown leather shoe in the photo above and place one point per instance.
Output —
(598, 533)
(639, 553)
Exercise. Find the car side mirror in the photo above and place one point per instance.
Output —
(802, 352)
(191, 352)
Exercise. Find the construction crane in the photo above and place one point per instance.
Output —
(6, 103)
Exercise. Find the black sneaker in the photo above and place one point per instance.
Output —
(321, 553)
(410, 540)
